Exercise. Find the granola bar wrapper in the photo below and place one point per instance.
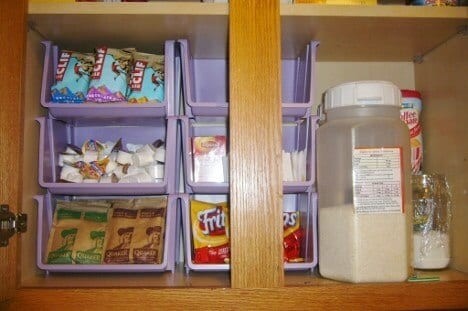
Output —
(110, 75)
(148, 244)
(90, 241)
(121, 227)
(72, 77)
(65, 226)
(71, 229)
(136, 231)
(147, 78)
(210, 232)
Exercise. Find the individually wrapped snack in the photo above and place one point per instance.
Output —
(108, 163)
(136, 231)
(147, 78)
(120, 233)
(72, 77)
(62, 236)
(110, 74)
(148, 243)
(90, 241)
(293, 236)
(210, 232)
(71, 233)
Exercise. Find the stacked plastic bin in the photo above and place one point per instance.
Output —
(68, 123)
(205, 113)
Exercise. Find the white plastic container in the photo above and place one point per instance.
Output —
(363, 163)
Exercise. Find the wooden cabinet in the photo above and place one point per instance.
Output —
(371, 42)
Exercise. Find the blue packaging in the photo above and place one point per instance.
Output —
(147, 79)
(72, 77)
(110, 74)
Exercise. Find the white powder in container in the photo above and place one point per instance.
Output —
(431, 250)
(362, 247)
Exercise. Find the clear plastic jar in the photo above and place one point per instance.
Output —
(363, 176)
(432, 206)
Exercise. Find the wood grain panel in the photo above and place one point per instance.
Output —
(442, 80)
(390, 296)
(255, 144)
(12, 50)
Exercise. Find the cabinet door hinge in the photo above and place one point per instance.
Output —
(10, 224)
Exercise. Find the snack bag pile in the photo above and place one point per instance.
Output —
(97, 162)
(123, 231)
(108, 75)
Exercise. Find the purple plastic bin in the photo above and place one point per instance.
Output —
(69, 111)
(192, 128)
(45, 212)
(206, 83)
(298, 134)
(56, 134)
(306, 204)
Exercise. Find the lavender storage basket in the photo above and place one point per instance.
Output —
(206, 127)
(307, 206)
(56, 134)
(298, 135)
(206, 83)
(67, 111)
(45, 212)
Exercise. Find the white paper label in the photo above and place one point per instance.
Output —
(377, 180)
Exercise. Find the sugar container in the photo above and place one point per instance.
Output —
(364, 189)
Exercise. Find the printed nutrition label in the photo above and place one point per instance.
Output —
(377, 180)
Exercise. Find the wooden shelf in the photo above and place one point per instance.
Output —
(369, 33)
(346, 33)
(315, 293)
(146, 26)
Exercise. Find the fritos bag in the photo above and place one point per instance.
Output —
(292, 237)
(210, 231)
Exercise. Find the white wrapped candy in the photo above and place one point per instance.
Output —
(111, 166)
(124, 157)
(134, 170)
(119, 173)
(71, 174)
(90, 156)
(128, 179)
(142, 158)
(146, 148)
(144, 177)
(160, 154)
(90, 181)
(156, 171)
(68, 158)
(105, 179)
(133, 147)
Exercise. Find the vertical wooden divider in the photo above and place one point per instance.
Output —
(12, 52)
(255, 144)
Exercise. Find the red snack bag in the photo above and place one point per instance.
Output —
(293, 235)
(210, 231)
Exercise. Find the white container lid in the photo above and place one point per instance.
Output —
(362, 93)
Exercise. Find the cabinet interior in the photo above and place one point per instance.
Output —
(362, 47)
